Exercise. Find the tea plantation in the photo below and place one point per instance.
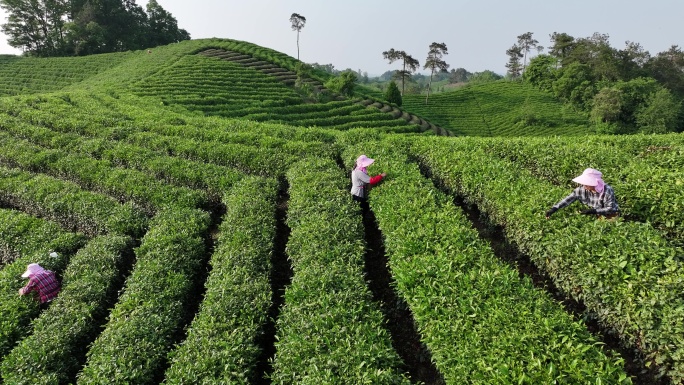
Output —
(197, 197)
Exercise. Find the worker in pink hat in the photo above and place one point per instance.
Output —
(361, 181)
(594, 193)
(43, 282)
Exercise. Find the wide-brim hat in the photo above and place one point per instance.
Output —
(364, 161)
(590, 177)
(31, 269)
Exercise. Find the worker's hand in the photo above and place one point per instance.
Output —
(588, 212)
(550, 212)
(383, 175)
(21, 291)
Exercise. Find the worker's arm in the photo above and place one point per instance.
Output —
(574, 195)
(29, 286)
(376, 179)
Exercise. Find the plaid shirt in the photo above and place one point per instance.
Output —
(604, 203)
(45, 284)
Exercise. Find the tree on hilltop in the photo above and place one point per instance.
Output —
(562, 45)
(36, 26)
(434, 62)
(526, 43)
(410, 65)
(163, 27)
(83, 27)
(298, 21)
(668, 68)
(514, 67)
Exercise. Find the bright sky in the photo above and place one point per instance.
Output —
(354, 33)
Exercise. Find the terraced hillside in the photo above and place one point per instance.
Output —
(34, 75)
(501, 108)
(205, 234)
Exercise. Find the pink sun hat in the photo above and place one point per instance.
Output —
(363, 161)
(590, 177)
(32, 269)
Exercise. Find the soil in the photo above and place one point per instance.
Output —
(399, 320)
(280, 277)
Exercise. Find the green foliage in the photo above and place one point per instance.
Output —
(577, 69)
(607, 106)
(147, 318)
(659, 113)
(639, 104)
(459, 75)
(501, 108)
(68, 204)
(542, 72)
(94, 27)
(666, 67)
(331, 329)
(630, 276)
(56, 349)
(343, 84)
(641, 168)
(25, 235)
(452, 282)
(171, 130)
(486, 76)
(18, 311)
(392, 94)
(514, 66)
(298, 22)
(221, 345)
(526, 43)
(576, 85)
(409, 65)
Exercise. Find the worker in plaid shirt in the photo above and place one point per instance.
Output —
(41, 281)
(594, 193)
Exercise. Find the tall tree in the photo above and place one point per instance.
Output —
(82, 27)
(514, 55)
(298, 21)
(526, 43)
(434, 62)
(163, 27)
(409, 66)
(36, 26)
(85, 36)
(668, 68)
(596, 52)
(562, 44)
(630, 62)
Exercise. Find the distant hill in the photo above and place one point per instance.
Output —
(501, 108)
(216, 77)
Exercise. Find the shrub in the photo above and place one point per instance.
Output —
(392, 94)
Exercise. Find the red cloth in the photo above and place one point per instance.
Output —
(375, 180)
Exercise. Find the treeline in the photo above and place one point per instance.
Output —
(83, 27)
(622, 90)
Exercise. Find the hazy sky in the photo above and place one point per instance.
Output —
(354, 33)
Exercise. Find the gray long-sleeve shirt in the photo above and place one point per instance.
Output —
(360, 181)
